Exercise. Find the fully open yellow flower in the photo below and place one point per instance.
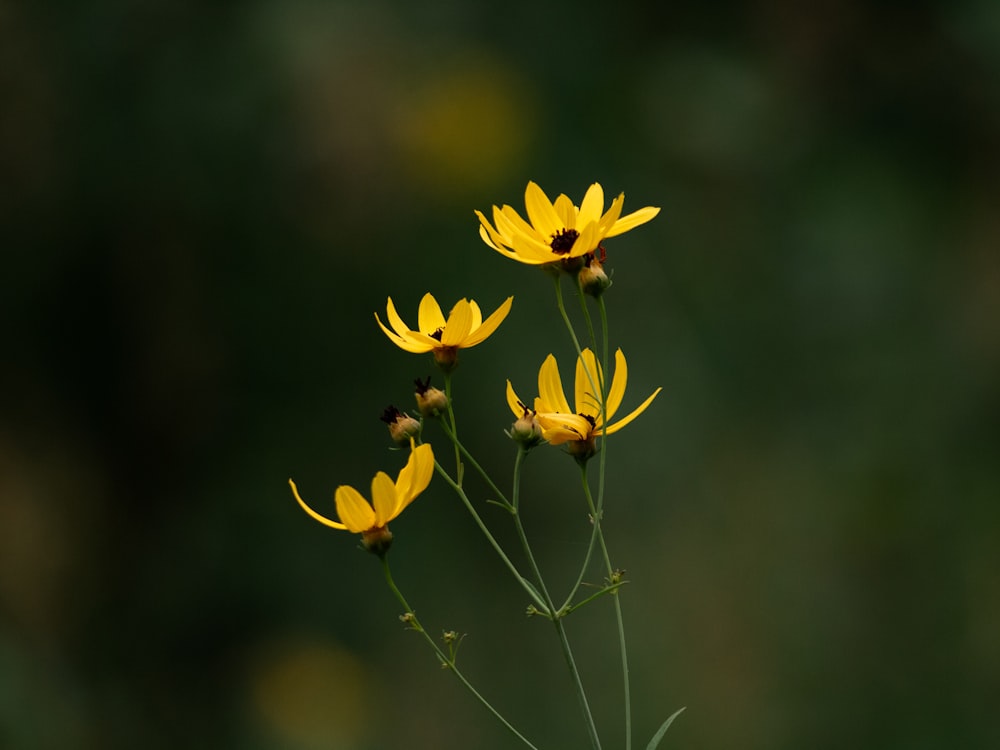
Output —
(578, 427)
(463, 329)
(558, 231)
(389, 499)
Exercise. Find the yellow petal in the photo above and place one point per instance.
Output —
(415, 476)
(550, 389)
(516, 405)
(587, 242)
(530, 250)
(477, 316)
(409, 343)
(618, 383)
(561, 428)
(541, 212)
(429, 316)
(510, 225)
(588, 384)
(609, 219)
(633, 220)
(384, 498)
(612, 428)
(394, 320)
(566, 210)
(488, 233)
(459, 324)
(488, 326)
(354, 510)
(322, 519)
(592, 206)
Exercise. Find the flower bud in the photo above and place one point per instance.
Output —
(402, 426)
(593, 279)
(526, 431)
(430, 401)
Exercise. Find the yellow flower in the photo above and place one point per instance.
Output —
(558, 231)
(463, 329)
(389, 499)
(578, 428)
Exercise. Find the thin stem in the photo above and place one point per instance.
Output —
(595, 530)
(600, 509)
(448, 661)
(596, 514)
(556, 616)
(492, 540)
(565, 317)
(475, 464)
(454, 429)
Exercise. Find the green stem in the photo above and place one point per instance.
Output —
(565, 317)
(475, 465)
(446, 660)
(596, 514)
(605, 353)
(492, 540)
(454, 428)
(556, 616)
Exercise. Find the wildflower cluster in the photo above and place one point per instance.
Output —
(568, 241)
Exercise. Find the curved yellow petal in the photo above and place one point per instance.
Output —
(586, 242)
(459, 324)
(550, 389)
(588, 384)
(530, 250)
(566, 210)
(490, 235)
(322, 519)
(540, 210)
(429, 315)
(488, 326)
(592, 206)
(633, 220)
(354, 510)
(516, 405)
(394, 320)
(385, 499)
(477, 316)
(609, 219)
(510, 224)
(408, 343)
(415, 476)
(618, 383)
(612, 428)
(562, 428)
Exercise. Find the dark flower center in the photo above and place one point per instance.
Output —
(422, 386)
(437, 334)
(562, 241)
(592, 420)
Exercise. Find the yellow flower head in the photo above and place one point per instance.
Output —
(389, 499)
(463, 329)
(578, 427)
(558, 231)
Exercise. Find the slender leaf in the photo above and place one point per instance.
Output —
(654, 743)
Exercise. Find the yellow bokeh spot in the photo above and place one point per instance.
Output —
(310, 694)
(465, 129)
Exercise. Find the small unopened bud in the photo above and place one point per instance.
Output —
(430, 401)
(402, 426)
(593, 279)
(526, 431)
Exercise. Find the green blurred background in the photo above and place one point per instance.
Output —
(203, 204)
